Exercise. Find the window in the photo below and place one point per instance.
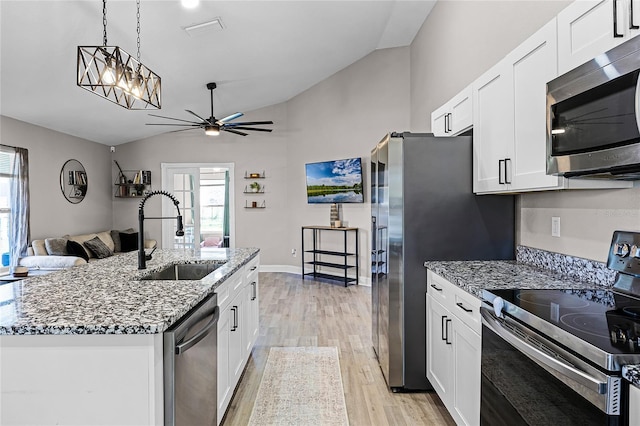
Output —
(7, 156)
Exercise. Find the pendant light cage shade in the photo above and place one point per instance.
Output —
(112, 73)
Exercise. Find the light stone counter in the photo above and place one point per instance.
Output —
(107, 296)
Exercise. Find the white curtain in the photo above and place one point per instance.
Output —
(19, 235)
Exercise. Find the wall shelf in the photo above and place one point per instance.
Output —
(133, 184)
(254, 175)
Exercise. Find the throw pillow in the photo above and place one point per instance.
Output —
(115, 236)
(98, 248)
(56, 246)
(39, 248)
(129, 241)
(74, 248)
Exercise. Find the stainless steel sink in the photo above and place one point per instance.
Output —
(189, 271)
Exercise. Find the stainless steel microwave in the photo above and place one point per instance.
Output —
(593, 117)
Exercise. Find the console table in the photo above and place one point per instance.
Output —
(340, 260)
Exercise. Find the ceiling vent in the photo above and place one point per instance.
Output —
(205, 28)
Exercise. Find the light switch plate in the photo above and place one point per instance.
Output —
(555, 226)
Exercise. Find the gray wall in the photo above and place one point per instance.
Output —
(51, 214)
(343, 116)
(458, 42)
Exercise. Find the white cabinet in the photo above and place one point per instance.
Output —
(510, 115)
(455, 116)
(238, 328)
(587, 28)
(634, 405)
(493, 123)
(453, 348)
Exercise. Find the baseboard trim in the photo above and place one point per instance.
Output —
(289, 269)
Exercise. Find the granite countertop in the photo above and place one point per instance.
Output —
(107, 296)
(475, 276)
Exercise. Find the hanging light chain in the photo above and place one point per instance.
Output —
(138, 28)
(104, 22)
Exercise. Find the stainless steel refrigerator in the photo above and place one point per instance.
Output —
(423, 208)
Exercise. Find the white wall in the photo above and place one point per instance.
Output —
(51, 214)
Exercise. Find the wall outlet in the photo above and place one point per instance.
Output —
(113, 149)
(293, 252)
(555, 226)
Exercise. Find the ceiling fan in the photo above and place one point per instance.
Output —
(212, 126)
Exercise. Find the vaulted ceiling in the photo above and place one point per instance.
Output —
(265, 53)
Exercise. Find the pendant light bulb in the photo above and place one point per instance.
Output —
(190, 4)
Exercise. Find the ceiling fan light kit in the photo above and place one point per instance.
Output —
(114, 74)
(212, 126)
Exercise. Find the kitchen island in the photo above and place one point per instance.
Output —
(85, 345)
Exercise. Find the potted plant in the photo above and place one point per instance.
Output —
(255, 187)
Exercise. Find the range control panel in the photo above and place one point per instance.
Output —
(624, 254)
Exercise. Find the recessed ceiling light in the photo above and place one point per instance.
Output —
(190, 4)
(205, 27)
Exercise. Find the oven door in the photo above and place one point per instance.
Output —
(528, 380)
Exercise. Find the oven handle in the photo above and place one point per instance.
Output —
(534, 353)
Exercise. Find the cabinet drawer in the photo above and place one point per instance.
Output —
(441, 290)
(467, 309)
(227, 290)
(251, 269)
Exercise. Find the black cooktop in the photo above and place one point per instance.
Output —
(603, 318)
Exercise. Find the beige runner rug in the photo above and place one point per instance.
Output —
(301, 386)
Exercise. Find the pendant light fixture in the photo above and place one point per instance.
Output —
(114, 74)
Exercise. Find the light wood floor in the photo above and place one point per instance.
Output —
(294, 312)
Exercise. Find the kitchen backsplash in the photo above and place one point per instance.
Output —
(574, 267)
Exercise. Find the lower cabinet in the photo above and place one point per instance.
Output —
(237, 329)
(453, 348)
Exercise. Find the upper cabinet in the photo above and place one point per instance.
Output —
(509, 116)
(455, 116)
(589, 28)
(509, 105)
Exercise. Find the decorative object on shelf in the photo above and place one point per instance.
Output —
(255, 205)
(139, 185)
(212, 126)
(248, 175)
(255, 187)
(114, 74)
(334, 216)
(73, 181)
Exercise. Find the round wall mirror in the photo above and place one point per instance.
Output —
(73, 181)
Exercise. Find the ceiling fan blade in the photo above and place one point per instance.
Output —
(171, 118)
(248, 128)
(173, 124)
(203, 119)
(181, 130)
(234, 131)
(248, 123)
(230, 117)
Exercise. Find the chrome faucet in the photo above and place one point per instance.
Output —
(142, 257)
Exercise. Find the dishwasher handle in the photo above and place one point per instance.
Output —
(206, 330)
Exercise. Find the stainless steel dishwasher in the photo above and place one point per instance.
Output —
(190, 367)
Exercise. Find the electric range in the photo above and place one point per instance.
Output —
(572, 343)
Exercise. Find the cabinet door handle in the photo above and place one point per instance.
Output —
(616, 34)
(443, 328)
(632, 26)
(446, 119)
(461, 306)
(506, 172)
(254, 268)
(449, 123)
(235, 318)
(500, 181)
(433, 286)
(254, 293)
(446, 328)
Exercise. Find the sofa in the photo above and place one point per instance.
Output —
(73, 250)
